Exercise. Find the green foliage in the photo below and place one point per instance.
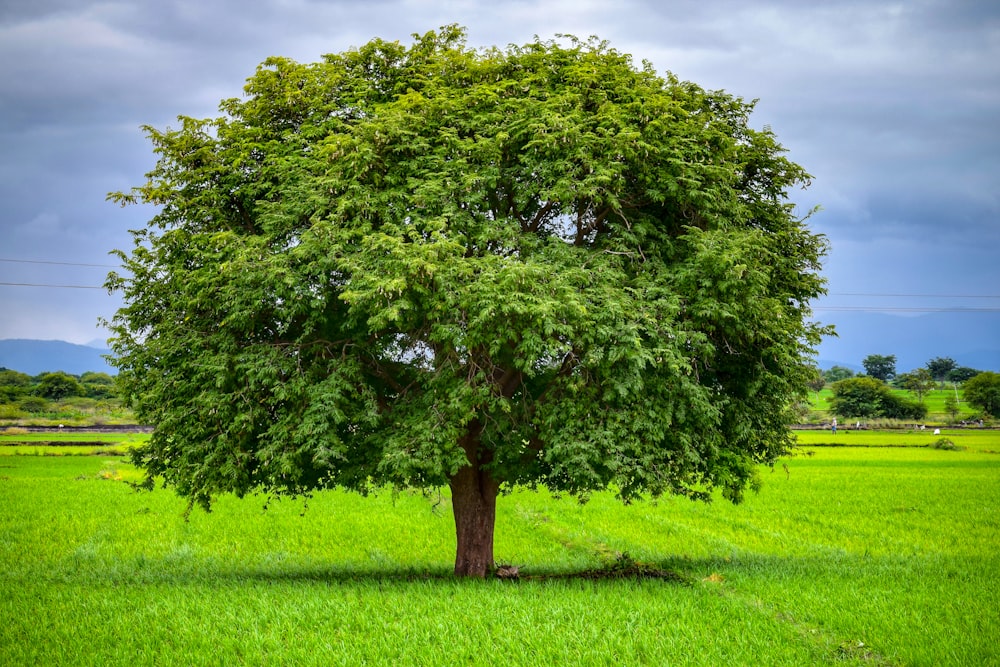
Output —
(962, 373)
(9, 378)
(58, 385)
(866, 397)
(946, 444)
(13, 385)
(98, 385)
(33, 404)
(857, 397)
(816, 381)
(542, 262)
(940, 367)
(951, 406)
(60, 397)
(879, 366)
(837, 373)
(918, 381)
(983, 391)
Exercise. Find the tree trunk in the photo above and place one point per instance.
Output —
(473, 501)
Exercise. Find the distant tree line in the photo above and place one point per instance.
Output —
(17, 387)
(870, 395)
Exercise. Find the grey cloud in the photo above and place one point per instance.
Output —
(891, 106)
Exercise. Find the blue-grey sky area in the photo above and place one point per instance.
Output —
(893, 107)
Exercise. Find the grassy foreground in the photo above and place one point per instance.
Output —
(849, 555)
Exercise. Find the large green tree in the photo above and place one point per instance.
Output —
(939, 367)
(983, 391)
(919, 381)
(880, 366)
(433, 266)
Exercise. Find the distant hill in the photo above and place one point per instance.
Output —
(970, 338)
(41, 356)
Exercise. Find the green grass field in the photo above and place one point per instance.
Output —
(17, 442)
(878, 555)
(974, 439)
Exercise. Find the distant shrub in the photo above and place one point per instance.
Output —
(946, 444)
(13, 385)
(33, 404)
(58, 385)
(897, 407)
(11, 411)
(838, 373)
(98, 385)
(78, 403)
(869, 398)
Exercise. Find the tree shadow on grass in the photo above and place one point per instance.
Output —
(193, 571)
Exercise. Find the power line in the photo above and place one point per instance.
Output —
(45, 261)
(915, 309)
(919, 296)
(887, 309)
(49, 285)
(865, 309)
(861, 294)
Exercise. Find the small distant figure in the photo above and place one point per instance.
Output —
(857, 427)
(937, 431)
(833, 426)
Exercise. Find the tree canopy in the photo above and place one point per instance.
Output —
(837, 373)
(962, 373)
(880, 366)
(59, 385)
(919, 381)
(864, 396)
(983, 391)
(431, 266)
(940, 367)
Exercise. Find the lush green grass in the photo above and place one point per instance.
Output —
(43, 449)
(18, 436)
(18, 442)
(15, 442)
(978, 440)
(847, 556)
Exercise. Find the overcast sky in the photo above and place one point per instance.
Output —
(893, 107)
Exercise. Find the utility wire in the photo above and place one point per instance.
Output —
(884, 309)
(863, 294)
(864, 309)
(915, 309)
(48, 285)
(932, 296)
(45, 261)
